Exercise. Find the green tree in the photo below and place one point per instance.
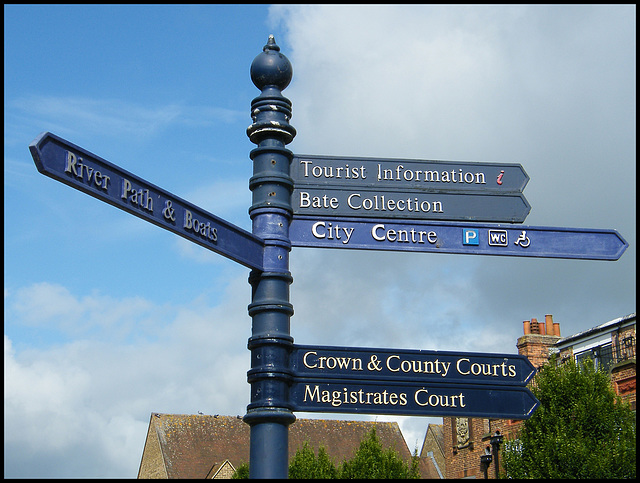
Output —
(305, 464)
(241, 473)
(371, 461)
(580, 430)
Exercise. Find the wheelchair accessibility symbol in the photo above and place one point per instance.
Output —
(523, 240)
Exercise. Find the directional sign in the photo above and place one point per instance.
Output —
(419, 205)
(411, 382)
(463, 238)
(402, 174)
(408, 189)
(407, 399)
(80, 169)
(415, 366)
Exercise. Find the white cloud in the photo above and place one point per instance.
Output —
(51, 410)
(82, 115)
(54, 307)
(91, 398)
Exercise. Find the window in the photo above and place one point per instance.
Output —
(627, 348)
(602, 356)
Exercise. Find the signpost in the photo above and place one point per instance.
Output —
(332, 202)
(84, 171)
(462, 238)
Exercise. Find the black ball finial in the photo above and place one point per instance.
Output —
(271, 68)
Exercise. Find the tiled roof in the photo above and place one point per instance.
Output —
(437, 433)
(607, 326)
(192, 445)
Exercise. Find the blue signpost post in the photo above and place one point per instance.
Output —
(270, 413)
(332, 202)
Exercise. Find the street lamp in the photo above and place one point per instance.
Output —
(485, 461)
(496, 441)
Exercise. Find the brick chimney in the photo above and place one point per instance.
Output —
(538, 338)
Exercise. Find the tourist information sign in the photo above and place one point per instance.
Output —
(419, 175)
(408, 189)
(462, 238)
(411, 382)
(417, 366)
(80, 169)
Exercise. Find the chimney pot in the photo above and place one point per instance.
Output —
(543, 328)
(535, 327)
(548, 320)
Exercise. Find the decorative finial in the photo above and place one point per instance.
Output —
(271, 68)
(271, 44)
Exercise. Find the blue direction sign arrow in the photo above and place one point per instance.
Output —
(407, 399)
(418, 175)
(80, 169)
(415, 366)
(408, 189)
(452, 237)
(417, 205)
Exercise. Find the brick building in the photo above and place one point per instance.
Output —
(611, 345)
(200, 446)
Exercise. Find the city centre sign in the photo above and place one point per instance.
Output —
(455, 237)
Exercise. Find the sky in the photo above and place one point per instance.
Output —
(108, 318)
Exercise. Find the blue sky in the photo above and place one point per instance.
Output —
(109, 318)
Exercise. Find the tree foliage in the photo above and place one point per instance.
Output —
(241, 473)
(580, 430)
(306, 465)
(369, 461)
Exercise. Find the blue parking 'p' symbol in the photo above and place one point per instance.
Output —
(470, 237)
